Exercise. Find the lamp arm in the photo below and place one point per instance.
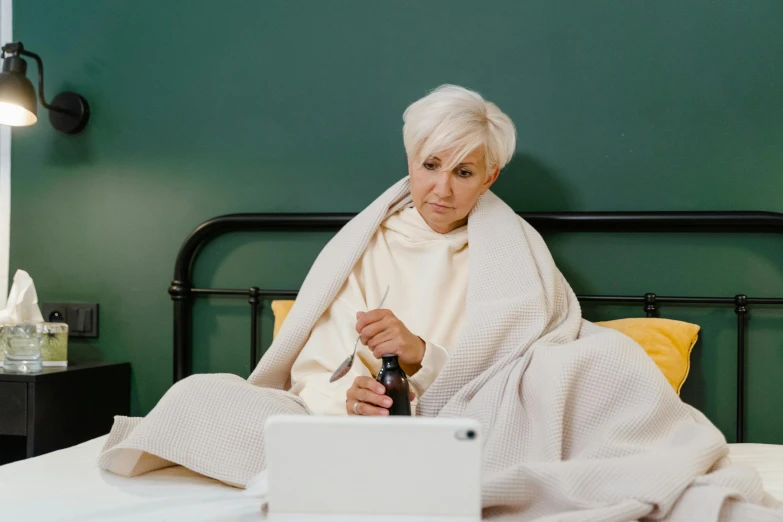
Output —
(38, 60)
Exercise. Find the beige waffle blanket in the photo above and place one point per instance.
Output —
(578, 422)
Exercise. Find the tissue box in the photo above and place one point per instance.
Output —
(53, 339)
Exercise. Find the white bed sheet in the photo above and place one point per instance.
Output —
(68, 486)
(767, 459)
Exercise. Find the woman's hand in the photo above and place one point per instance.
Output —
(384, 334)
(366, 397)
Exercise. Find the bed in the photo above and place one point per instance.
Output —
(67, 484)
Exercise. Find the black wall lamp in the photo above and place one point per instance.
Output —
(68, 111)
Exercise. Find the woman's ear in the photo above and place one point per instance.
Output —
(491, 178)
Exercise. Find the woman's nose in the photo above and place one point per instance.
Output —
(442, 187)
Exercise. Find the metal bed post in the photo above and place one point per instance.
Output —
(650, 306)
(183, 328)
(254, 298)
(741, 309)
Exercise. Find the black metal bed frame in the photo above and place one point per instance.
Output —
(183, 292)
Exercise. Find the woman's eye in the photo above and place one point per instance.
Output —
(464, 173)
(429, 165)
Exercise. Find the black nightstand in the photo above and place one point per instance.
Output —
(60, 407)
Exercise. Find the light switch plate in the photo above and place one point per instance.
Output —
(82, 318)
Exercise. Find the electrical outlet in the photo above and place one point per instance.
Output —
(82, 318)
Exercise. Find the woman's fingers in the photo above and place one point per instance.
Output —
(372, 392)
(366, 396)
(390, 347)
(372, 329)
(373, 316)
(369, 410)
(368, 383)
(358, 384)
(384, 336)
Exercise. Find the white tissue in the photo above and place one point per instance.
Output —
(22, 304)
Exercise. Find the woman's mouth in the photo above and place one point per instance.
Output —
(439, 208)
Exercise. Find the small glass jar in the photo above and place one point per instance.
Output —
(2, 342)
(54, 343)
(22, 348)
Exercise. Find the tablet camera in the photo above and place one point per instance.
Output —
(466, 435)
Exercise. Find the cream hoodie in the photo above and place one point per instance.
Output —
(427, 275)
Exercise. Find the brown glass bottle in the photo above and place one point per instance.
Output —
(396, 383)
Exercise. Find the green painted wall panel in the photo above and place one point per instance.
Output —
(203, 108)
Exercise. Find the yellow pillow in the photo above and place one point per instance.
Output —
(280, 309)
(667, 342)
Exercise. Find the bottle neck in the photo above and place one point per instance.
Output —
(391, 362)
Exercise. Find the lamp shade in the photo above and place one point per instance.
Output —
(18, 103)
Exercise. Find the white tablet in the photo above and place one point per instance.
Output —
(407, 469)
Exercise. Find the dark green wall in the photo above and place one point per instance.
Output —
(202, 108)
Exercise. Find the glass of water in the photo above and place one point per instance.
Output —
(22, 348)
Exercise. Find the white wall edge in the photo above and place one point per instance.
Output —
(6, 35)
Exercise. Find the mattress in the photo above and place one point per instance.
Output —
(67, 485)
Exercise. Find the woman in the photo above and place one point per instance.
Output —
(456, 143)
(577, 422)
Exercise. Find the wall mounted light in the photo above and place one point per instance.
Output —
(68, 111)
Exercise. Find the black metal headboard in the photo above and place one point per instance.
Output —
(183, 293)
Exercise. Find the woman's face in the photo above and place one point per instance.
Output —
(445, 198)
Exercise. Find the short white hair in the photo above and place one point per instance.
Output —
(459, 120)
